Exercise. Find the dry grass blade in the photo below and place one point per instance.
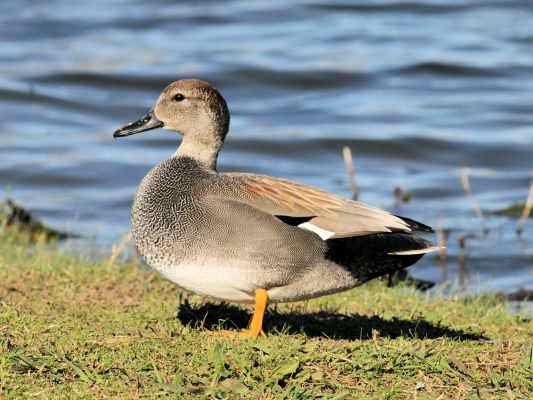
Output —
(465, 183)
(350, 170)
(118, 248)
(526, 211)
(442, 239)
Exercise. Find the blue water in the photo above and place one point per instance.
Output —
(416, 89)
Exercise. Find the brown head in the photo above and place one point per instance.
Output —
(195, 109)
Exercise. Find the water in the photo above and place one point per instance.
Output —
(416, 89)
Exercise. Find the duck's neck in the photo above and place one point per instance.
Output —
(202, 148)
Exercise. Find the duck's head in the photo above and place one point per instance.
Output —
(189, 106)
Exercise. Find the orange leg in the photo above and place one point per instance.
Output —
(256, 324)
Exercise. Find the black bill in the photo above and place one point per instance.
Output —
(149, 121)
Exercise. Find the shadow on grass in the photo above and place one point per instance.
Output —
(318, 324)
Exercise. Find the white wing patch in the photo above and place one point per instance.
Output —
(323, 233)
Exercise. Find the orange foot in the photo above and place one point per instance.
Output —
(256, 324)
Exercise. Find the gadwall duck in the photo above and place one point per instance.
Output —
(251, 238)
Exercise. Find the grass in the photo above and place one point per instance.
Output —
(71, 328)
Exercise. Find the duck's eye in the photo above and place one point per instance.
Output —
(178, 97)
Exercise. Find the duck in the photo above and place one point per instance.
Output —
(251, 238)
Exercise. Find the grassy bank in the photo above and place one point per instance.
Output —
(75, 329)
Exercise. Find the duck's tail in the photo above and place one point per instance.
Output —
(378, 254)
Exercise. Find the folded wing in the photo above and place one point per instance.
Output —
(324, 213)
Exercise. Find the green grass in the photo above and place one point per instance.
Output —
(71, 328)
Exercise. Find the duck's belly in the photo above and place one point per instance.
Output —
(235, 283)
(215, 280)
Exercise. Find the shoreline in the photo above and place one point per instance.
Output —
(72, 327)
